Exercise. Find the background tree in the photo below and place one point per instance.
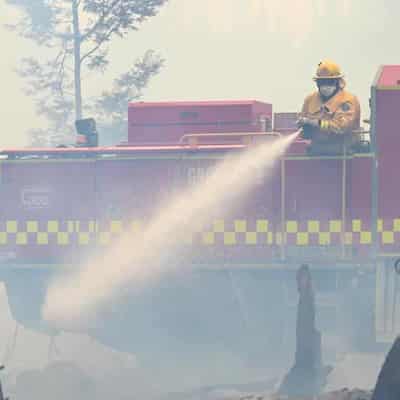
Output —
(77, 34)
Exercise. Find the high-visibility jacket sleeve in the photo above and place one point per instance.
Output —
(345, 119)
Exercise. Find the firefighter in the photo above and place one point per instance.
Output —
(306, 376)
(331, 114)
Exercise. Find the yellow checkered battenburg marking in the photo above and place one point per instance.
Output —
(233, 232)
(61, 233)
(326, 233)
(238, 232)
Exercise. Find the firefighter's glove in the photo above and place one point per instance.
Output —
(306, 133)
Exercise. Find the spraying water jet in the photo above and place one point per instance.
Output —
(102, 278)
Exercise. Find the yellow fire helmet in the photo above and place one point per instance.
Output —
(328, 70)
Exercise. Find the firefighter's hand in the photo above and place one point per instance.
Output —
(304, 121)
(300, 122)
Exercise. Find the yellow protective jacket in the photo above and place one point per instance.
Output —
(338, 117)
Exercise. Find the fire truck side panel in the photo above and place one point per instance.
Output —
(65, 209)
(359, 206)
(313, 206)
(59, 211)
(387, 119)
(242, 231)
(42, 204)
(131, 190)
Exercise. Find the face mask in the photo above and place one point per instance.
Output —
(327, 91)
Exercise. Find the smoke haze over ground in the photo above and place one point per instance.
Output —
(32, 363)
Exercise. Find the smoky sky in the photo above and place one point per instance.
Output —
(231, 49)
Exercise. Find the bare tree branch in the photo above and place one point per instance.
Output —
(106, 38)
(90, 31)
(129, 86)
(55, 83)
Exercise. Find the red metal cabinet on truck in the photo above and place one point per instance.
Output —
(167, 122)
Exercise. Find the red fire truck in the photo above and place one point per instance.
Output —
(339, 214)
